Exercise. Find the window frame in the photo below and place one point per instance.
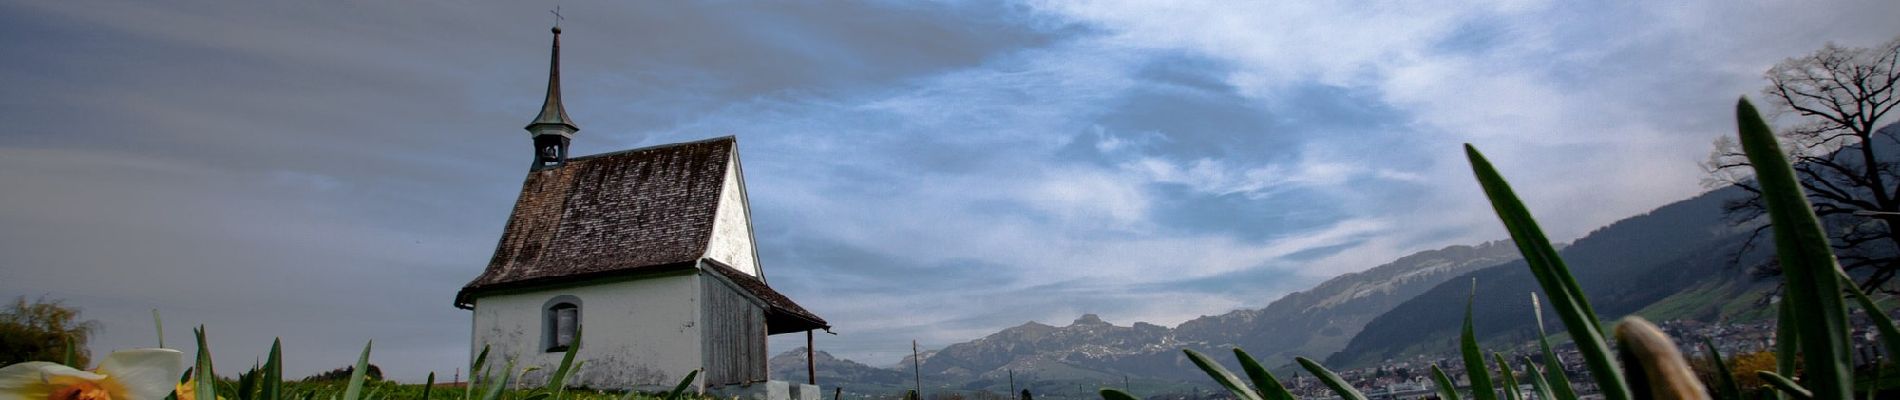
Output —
(550, 322)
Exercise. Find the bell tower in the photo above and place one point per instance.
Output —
(552, 129)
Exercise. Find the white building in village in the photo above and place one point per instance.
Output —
(649, 251)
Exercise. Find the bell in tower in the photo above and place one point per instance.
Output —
(552, 129)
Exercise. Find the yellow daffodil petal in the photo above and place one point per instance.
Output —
(142, 374)
(187, 390)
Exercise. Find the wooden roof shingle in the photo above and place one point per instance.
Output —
(608, 214)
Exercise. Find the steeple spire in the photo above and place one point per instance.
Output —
(552, 129)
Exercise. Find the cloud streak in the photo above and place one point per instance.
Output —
(930, 171)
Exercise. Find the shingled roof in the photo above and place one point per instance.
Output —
(639, 210)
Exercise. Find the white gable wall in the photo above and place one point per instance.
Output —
(640, 333)
(732, 227)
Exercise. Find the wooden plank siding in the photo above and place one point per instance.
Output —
(734, 331)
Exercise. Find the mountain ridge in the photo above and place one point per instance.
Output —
(1310, 322)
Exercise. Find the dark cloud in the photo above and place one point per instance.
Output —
(331, 173)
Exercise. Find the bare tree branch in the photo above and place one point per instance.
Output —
(1843, 94)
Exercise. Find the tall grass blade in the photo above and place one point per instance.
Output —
(1786, 386)
(247, 382)
(160, 326)
(1446, 389)
(495, 388)
(1539, 382)
(1264, 383)
(1115, 394)
(1553, 366)
(1873, 385)
(72, 353)
(1787, 342)
(1725, 386)
(1889, 336)
(205, 381)
(355, 389)
(1555, 278)
(428, 386)
(1475, 368)
(274, 371)
(558, 381)
(1657, 369)
(1810, 276)
(1222, 376)
(679, 391)
(1508, 378)
(1332, 380)
(578, 367)
(474, 370)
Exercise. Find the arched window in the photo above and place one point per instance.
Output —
(561, 323)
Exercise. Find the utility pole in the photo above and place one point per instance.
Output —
(917, 369)
(1012, 384)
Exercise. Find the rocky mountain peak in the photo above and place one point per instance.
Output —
(1089, 319)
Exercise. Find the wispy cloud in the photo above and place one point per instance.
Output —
(917, 170)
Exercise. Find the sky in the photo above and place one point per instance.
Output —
(332, 172)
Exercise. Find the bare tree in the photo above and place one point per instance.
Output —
(1847, 165)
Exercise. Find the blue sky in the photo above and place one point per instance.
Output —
(332, 173)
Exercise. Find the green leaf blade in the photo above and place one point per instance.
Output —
(558, 382)
(1446, 389)
(1115, 394)
(679, 391)
(1332, 380)
(203, 377)
(274, 371)
(1889, 335)
(1508, 377)
(1268, 387)
(1786, 386)
(355, 389)
(1553, 375)
(495, 388)
(1222, 376)
(1553, 277)
(72, 353)
(1538, 380)
(1475, 369)
(474, 370)
(1810, 276)
(1725, 386)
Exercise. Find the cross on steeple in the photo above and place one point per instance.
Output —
(557, 16)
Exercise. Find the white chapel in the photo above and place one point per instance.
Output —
(649, 251)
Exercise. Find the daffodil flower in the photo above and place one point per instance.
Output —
(142, 374)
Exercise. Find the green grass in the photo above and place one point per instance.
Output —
(1726, 300)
